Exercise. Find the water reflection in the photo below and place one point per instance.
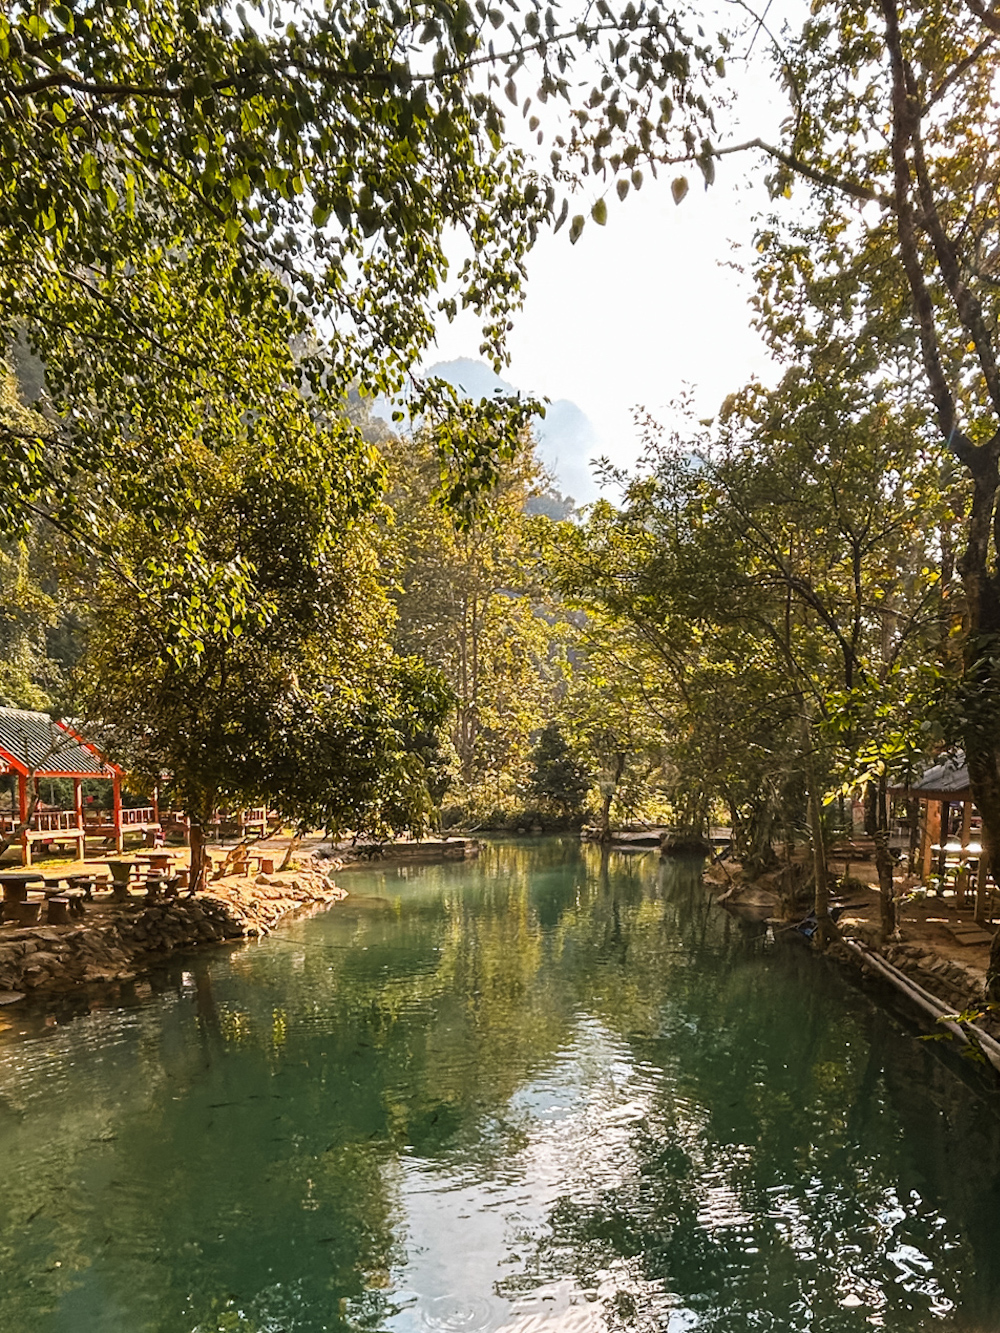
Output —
(551, 1091)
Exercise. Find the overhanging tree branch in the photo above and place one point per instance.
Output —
(903, 111)
(855, 190)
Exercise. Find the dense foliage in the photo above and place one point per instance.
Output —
(184, 188)
(215, 226)
(222, 233)
(557, 776)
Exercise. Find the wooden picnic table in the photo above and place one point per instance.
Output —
(15, 884)
(156, 860)
(84, 882)
(952, 848)
(121, 868)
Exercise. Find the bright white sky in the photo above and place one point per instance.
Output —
(640, 307)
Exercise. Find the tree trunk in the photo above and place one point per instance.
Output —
(18, 830)
(826, 931)
(608, 794)
(199, 864)
(293, 843)
(913, 821)
(736, 842)
(877, 828)
(197, 841)
(980, 683)
(984, 780)
(761, 857)
(606, 800)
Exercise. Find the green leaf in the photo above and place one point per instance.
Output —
(576, 228)
(599, 212)
(679, 187)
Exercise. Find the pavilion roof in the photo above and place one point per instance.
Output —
(948, 779)
(53, 749)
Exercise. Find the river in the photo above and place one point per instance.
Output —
(542, 1091)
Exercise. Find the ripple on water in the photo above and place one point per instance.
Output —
(457, 1314)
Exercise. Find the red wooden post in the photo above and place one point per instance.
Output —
(156, 805)
(116, 790)
(22, 806)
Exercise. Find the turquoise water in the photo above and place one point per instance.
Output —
(538, 1092)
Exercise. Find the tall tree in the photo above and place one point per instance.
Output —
(556, 774)
(171, 168)
(614, 722)
(471, 604)
(778, 577)
(893, 265)
(300, 703)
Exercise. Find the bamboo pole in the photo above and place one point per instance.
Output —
(921, 998)
(931, 1004)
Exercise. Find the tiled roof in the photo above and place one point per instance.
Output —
(950, 775)
(30, 739)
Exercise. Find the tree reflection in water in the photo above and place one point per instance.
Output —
(557, 1076)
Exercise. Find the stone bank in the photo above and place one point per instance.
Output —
(119, 942)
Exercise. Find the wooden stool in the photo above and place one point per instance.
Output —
(58, 912)
(27, 913)
(154, 886)
(83, 885)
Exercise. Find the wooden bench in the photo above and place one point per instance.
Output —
(852, 849)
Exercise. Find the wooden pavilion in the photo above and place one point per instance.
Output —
(950, 836)
(33, 748)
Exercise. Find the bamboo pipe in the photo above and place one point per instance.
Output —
(921, 998)
(928, 1002)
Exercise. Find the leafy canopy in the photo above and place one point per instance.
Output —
(302, 704)
(173, 173)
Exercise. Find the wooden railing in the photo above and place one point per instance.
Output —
(131, 817)
(43, 821)
(138, 814)
(55, 821)
(51, 821)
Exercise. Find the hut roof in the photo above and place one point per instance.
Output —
(948, 779)
(34, 741)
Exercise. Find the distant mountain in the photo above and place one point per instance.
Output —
(475, 379)
(567, 440)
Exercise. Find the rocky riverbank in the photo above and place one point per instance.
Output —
(115, 942)
(936, 944)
